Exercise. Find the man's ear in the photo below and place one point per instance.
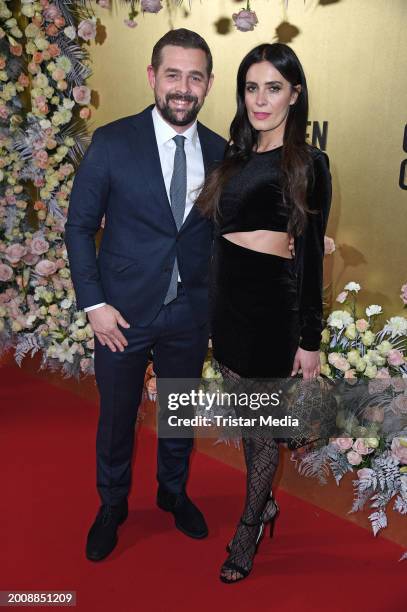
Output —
(151, 76)
(295, 93)
(210, 83)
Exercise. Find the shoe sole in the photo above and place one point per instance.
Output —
(190, 534)
(98, 557)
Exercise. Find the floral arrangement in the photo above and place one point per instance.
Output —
(245, 20)
(44, 103)
(351, 348)
(369, 363)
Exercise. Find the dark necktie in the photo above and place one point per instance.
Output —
(178, 196)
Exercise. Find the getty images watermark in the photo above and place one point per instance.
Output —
(208, 401)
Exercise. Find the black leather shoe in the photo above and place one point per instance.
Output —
(102, 537)
(188, 518)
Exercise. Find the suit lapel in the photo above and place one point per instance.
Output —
(146, 152)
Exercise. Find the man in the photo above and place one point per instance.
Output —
(147, 288)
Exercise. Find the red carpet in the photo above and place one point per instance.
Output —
(315, 561)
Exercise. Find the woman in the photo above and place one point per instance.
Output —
(267, 305)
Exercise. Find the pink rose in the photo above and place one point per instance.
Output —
(23, 80)
(329, 245)
(350, 373)
(104, 3)
(41, 103)
(343, 443)
(51, 12)
(39, 246)
(245, 21)
(395, 357)
(84, 113)
(130, 23)
(15, 252)
(58, 74)
(90, 344)
(338, 361)
(383, 373)
(45, 267)
(6, 273)
(362, 325)
(354, 458)
(364, 473)
(151, 6)
(81, 95)
(85, 364)
(30, 259)
(4, 112)
(60, 263)
(41, 159)
(342, 297)
(360, 447)
(403, 294)
(398, 450)
(87, 29)
(53, 309)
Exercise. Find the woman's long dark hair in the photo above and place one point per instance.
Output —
(295, 162)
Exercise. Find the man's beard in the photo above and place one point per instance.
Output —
(172, 116)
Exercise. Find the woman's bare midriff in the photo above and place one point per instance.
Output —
(263, 241)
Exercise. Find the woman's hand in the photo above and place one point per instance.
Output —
(308, 362)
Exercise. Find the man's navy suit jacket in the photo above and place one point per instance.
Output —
(120, 177)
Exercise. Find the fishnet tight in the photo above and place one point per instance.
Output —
(261, 456)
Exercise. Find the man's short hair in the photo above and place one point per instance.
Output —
(182, 38)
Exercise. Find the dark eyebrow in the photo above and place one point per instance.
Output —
(268, 83)
(192, 72)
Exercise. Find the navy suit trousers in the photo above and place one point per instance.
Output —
(179, 349)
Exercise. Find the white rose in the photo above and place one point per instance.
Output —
(70, 32)
(339, 319)
(352, 286)
(373, 309)
(396, 326)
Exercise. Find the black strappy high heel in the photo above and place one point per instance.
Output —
(269, 516)
(237, 571)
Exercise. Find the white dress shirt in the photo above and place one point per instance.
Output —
(164, 134)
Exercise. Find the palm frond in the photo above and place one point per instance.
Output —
(77, 131)
(76, 54)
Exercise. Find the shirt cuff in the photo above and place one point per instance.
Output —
(95, 306)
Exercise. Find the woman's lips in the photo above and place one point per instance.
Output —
(261, 116)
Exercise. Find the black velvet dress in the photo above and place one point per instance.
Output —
(264, 306)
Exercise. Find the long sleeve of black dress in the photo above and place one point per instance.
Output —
(310, 254)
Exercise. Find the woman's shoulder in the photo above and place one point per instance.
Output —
(319, 158)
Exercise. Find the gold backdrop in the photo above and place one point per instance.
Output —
(354, 53)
